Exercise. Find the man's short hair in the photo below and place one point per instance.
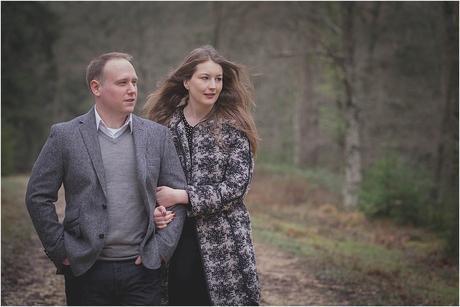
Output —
(96, 66)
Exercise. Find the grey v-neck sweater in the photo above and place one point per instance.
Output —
(127, 215)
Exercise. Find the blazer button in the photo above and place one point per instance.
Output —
(101, 236)
(104, 206)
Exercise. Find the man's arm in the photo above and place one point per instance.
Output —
(42, 192)
(171, 175)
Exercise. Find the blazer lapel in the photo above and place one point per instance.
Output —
(89, 134)
(140, 143)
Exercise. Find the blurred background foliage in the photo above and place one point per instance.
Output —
(362, 97)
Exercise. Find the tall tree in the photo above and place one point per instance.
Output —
(300, 51)
(217, 9)
(446, 172)
(336, 41)
(446, 167)
(352, 154)
(28, 72)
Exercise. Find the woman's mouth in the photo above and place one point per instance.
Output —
(210, 96)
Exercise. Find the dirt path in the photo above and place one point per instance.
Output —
(284, 280)
(33, 281)
(32, 278)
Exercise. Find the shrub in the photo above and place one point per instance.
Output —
(392, 188)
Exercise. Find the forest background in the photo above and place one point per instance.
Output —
(356, 100)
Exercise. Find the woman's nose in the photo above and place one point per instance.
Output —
(212, 84)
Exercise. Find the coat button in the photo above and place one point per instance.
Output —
(101, 236)
(104, 206)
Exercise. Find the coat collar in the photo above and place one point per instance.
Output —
(178, 129)
(177, 125)
(176, 118)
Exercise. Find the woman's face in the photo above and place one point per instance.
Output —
(205, 84)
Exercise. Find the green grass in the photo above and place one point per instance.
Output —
(16, 224)
(374, 274)
(367, 262)
(317, 177)
(17, 228)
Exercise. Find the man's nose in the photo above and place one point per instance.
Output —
(132, 88)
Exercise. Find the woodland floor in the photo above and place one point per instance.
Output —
(308, 253)
(28, 277)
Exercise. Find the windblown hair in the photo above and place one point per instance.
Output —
(233, 106)
(96, 66)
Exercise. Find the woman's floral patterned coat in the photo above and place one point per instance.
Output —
(218, 170)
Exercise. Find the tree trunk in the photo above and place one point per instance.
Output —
(306, 130)
(446, 166)
(297, 123)
(218, 15)
(352, 153)
(352, 157)
(446, 175)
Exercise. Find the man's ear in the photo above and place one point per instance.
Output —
(95, 87)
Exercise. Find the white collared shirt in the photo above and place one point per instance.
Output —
(111, 132)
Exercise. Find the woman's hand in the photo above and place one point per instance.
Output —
(162, 217)
(168, 197)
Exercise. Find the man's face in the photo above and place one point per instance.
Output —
(117, 91)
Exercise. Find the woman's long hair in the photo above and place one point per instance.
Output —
(233, 106)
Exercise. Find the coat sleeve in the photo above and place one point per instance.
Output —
(42, 193)
(208, 199)
(171, 175)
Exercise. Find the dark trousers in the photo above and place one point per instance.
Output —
(186, 280)
(113, 283)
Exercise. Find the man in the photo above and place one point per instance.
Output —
(110, 162)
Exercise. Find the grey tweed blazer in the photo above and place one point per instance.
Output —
(72, 156)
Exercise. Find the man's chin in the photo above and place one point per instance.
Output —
(129, 109)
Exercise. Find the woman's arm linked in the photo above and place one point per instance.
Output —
(207, 199)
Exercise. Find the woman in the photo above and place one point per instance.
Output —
(206, 103)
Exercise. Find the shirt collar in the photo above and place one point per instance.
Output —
(99, 120)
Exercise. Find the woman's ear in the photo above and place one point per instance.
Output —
(186, 84)
(95, 87)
